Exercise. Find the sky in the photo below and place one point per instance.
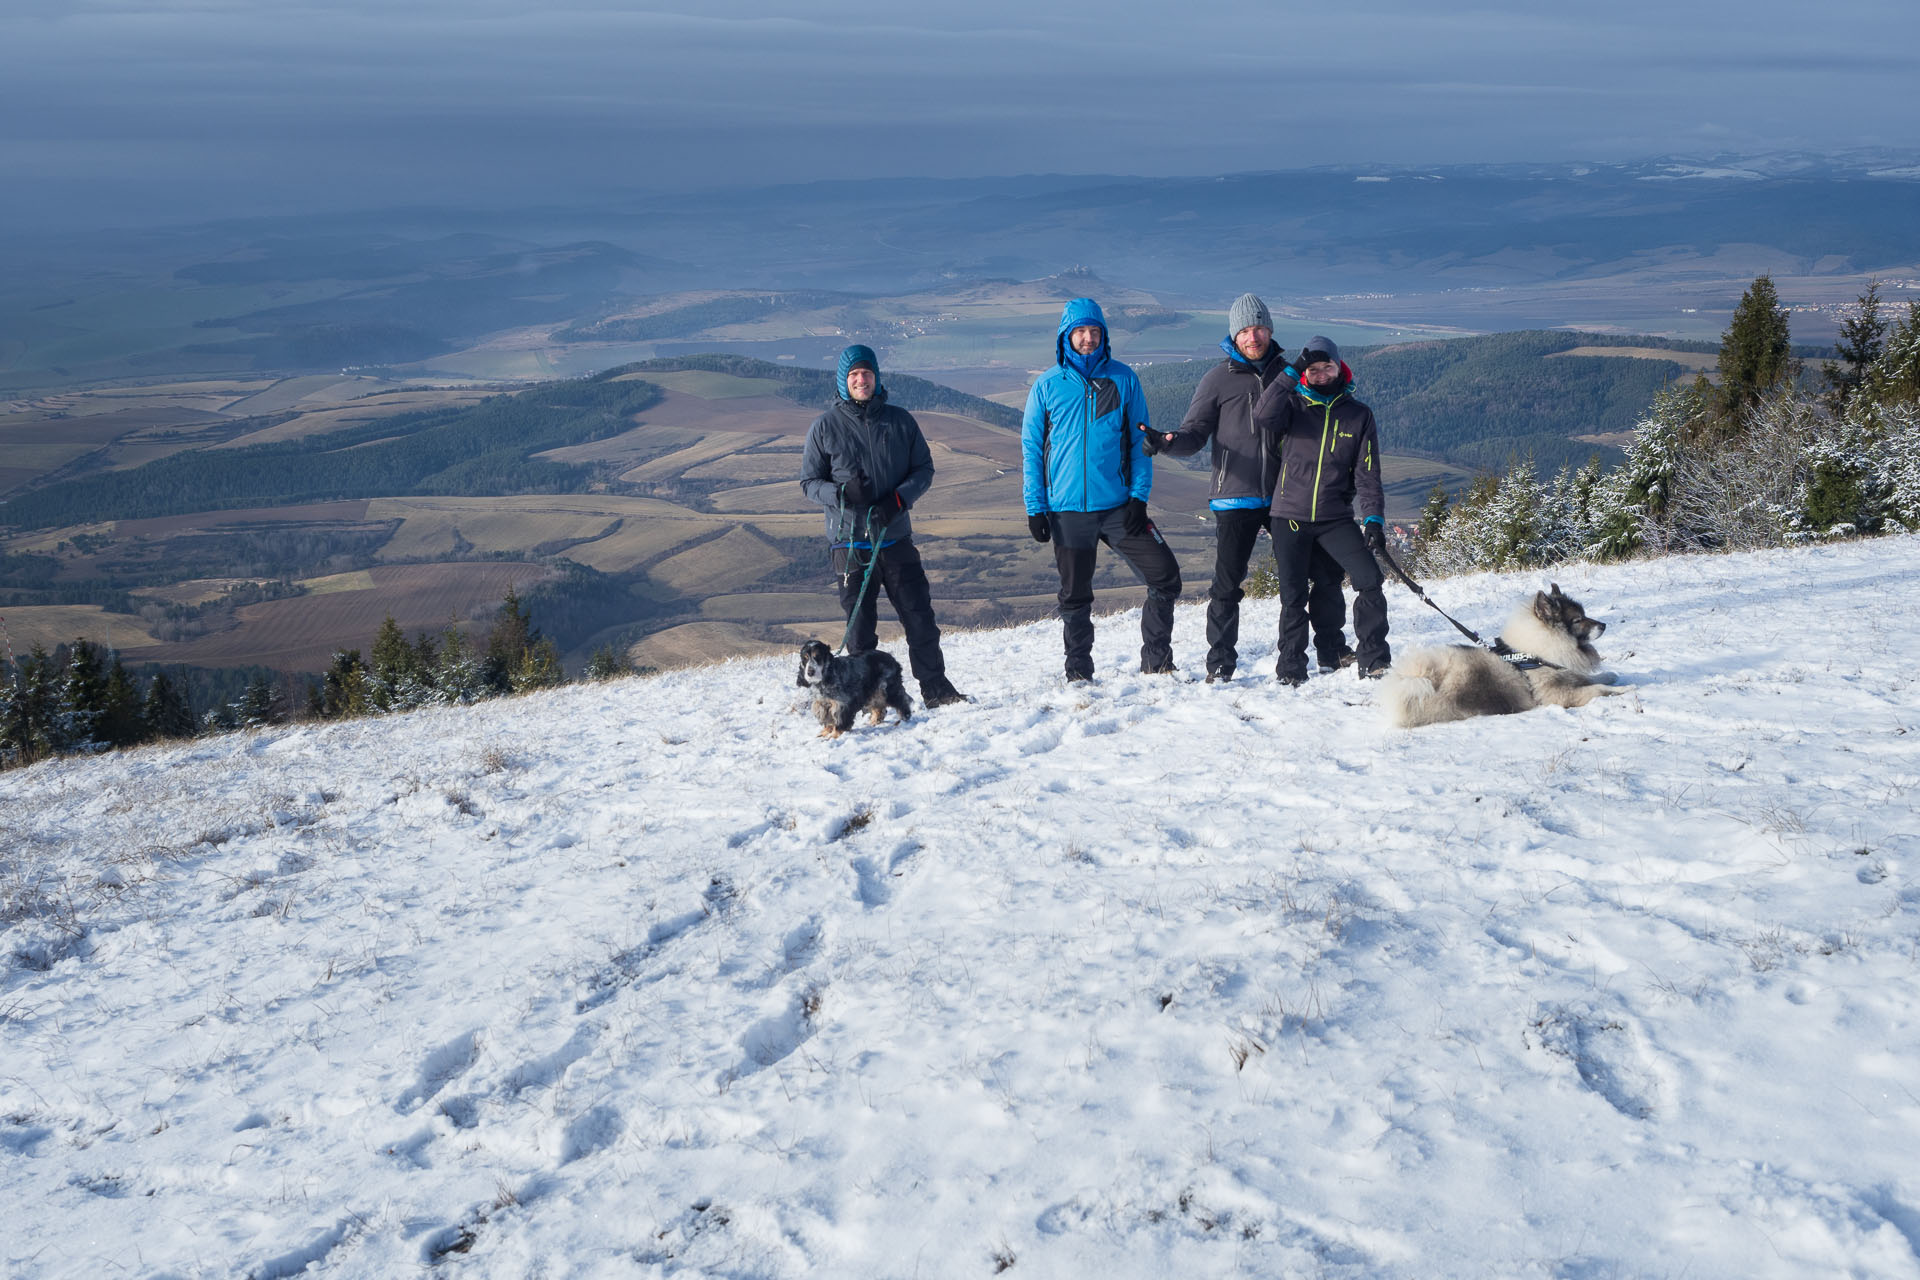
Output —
(642, 980)
(117, 110)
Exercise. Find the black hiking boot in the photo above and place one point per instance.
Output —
(1164, 667)
(1344, 659)
(1292, 679)
(1374, 673)
(1220, 675)
(939, 693)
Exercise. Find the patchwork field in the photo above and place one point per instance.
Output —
(701, 523)
(47, 625)
(301, 634)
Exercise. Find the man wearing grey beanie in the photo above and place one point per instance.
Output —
(1245, 466)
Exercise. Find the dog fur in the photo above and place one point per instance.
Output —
(844, 687)
(1457, 682)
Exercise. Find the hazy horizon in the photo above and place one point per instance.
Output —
(124, 114)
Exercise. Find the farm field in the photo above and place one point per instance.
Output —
(700, 523)
(128, 426)
(1696, 361)
(48, 625)
(302, 633)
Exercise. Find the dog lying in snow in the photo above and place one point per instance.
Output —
(844, 687)
(1456, 682)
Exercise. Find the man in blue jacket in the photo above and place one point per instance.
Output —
(866, 463)
(1086, 475)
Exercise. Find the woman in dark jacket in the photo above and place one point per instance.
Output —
(1329, 461)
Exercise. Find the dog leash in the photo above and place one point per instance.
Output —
(1499, 647)
(873, 562)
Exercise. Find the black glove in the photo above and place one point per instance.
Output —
(857, 492)
(889, 504)
(1375, 534)
(1153, 441)
(1136, 518)
(1039, 528)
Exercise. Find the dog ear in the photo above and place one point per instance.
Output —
(801, 678)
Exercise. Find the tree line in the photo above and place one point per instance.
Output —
(487, 448)
(815, 388)
(1770, 454)
(81, 699)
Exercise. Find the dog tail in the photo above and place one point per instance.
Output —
(1411, 701)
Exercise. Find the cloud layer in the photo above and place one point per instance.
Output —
(165, 109)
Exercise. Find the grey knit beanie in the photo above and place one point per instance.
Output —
(1316, 349)
(1246, 312)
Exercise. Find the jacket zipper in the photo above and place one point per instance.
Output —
(1320, 464)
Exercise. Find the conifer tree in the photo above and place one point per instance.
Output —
(121, 721)
(513, 633)
(165, 708)
(394, 667)
(1756, 355)
(1633, 497)
(259, 705)
(1862, 339)
(539, 667)
(456, 671)
(607, 663)
(343, 690)
(32, 702)
(26, 705)
(1895, 379)
(82, 701)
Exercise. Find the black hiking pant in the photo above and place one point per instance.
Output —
(1294, 542)
(1235, 533)
(902, 577)
(1076, 536)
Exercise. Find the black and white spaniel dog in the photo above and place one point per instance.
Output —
(844, 687)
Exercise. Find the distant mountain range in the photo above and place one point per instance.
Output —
(1662, 246)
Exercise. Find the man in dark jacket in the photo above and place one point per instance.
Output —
(1244, 468)
(1329, 455)
(866, 463)
(1086, 475)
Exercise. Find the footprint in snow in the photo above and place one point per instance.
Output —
(439, 1068)
(774, 1038)
(1608, 1052)
(871, 885)
(546, 1070)
(801, 945)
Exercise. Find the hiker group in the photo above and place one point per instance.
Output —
(1293, 453)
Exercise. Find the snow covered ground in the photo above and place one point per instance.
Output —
(1142, 979)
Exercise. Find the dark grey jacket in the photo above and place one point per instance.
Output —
(1245, 461)
(1329, 454)
(876, 439)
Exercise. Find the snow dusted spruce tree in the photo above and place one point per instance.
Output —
(1759, 461)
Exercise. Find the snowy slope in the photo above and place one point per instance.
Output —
(1141, 979)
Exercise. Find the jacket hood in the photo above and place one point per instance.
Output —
(1332, 393)
(1081, 311)
(856, 354)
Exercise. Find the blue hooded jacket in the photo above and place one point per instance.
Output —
(1081, 445)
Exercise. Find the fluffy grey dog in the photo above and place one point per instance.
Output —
(1456, 682)
(844, 687)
